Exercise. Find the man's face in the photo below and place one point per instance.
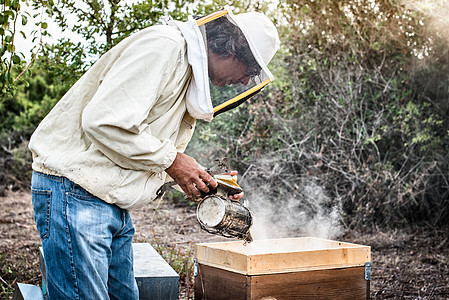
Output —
(226, 70)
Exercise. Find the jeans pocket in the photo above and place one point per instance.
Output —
(81, 194)
(41, 206)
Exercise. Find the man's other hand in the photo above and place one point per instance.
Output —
(235, 197)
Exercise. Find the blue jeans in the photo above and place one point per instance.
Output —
(87, 242)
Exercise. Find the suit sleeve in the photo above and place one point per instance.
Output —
(114, 118)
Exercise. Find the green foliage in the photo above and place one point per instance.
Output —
(58, 66)
(179, 259)
(102, 24)
(13, 64)
(15, 72)
(220, 138)
(16, 268)
(9, 15)
(359, 85)
(360, 104)
(34, 99)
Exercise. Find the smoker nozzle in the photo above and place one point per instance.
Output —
(248, 238)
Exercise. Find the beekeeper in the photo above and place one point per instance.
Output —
(109, 143)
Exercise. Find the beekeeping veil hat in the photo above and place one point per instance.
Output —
(229, 56)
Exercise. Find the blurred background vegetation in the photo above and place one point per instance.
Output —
(359, 105)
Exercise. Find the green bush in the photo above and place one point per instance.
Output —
(360, 106)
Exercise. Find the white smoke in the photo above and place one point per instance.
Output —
(307, 212)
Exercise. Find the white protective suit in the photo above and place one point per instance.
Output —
(120, 126)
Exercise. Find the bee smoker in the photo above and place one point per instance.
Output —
(217, 214)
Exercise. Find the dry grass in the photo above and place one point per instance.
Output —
(406, 264)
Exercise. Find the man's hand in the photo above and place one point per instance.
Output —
(236, 197)
(190, 176)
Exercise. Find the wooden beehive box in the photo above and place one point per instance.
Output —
(293, 268)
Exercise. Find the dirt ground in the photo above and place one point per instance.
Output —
(412, 264)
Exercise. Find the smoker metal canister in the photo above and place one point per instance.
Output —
(219, 215)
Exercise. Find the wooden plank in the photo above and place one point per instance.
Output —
(282, 255)
(216, 257)
(217, 284)
(348, 283)
(307, 260)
